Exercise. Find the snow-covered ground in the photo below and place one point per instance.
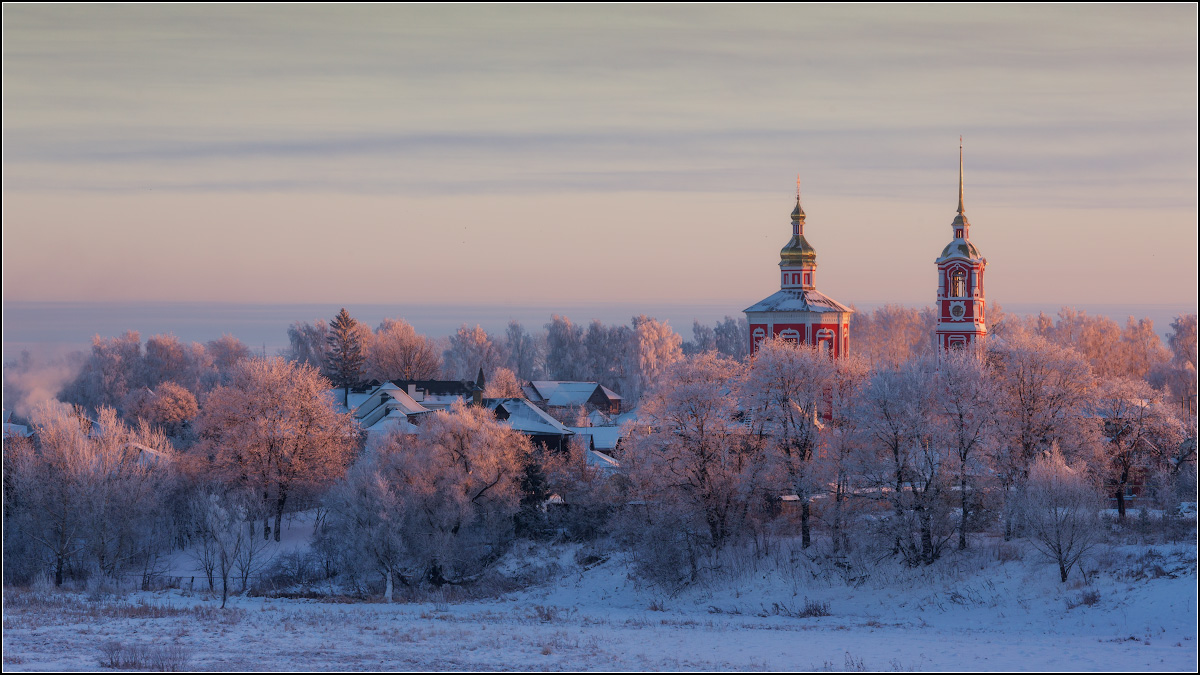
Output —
(968, 612)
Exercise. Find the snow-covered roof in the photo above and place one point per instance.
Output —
(393, 422)
(567, 393)
(603, 438)
(798, 300)
(602, 461)
(11, 429)
(527, 418)
(960, 248)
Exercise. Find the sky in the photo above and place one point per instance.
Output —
(569, 154)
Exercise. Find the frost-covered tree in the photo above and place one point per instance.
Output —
(704, 339)
(654, 348)
(111, 371)
(785, 392)
(89, 494)
(892, 334)
(274, 430)
(732, 337)
(1043, 394)
(897, 412)
(964, 400)
(168, 406)
(843, 448)
(1059, 507)
(524, 352)
(399, 352)
(566, 355)
(693, 460)
(469, 350)
(434, 507)
(308, 343)
(346, 356)
(503, 384)
(1140, 432)
(608, 354)
(225, 353)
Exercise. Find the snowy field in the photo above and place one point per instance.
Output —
(968, 612)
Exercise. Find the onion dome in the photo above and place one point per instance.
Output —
(798, 251)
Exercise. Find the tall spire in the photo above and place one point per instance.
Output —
(960, 176)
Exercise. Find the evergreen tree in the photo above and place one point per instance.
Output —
(346, 354)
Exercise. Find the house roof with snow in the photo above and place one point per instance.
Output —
(525, 417)
(560, 393)
(600, 438)
(797, 300)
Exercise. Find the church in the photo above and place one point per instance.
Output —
(802, 314)
(798, 311)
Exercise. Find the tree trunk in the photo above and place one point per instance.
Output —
(58, 571)
(805, 539)
(1062, 572)
(962, 521)
(279, 511)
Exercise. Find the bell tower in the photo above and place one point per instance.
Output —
(960, 300)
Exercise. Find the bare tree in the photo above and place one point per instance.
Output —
(274, 430)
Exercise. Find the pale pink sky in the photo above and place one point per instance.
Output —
(590, 153)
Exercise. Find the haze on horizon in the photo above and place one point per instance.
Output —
(576, 154)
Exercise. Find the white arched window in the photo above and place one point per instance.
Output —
(791, 335)
(825, 340)
(958, 284)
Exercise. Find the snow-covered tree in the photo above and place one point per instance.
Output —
(308, 343)
(225, 353)
(566, 355)
(89, 492)
(1043, 395)
(964, 399)
(435, 507)
(274, 430)
(168, 406)
(1058, 507)
(471, 349)
(732, 337)
(524, 352)
(693, 459)
(785, 391)
(112, 370)
(654, 348)
(503, 384)
(399, 352)
(892, 334)
(897, 413)
(1140, 431)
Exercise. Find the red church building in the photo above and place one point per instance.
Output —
(960, 302)
(798, 311)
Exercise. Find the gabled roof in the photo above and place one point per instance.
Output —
(797, 300)
(603, 438)
(526, 418)
(567, 393)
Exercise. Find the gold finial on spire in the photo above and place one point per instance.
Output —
(960, 175)
(797, 188)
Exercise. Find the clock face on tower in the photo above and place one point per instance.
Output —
(957, 311)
